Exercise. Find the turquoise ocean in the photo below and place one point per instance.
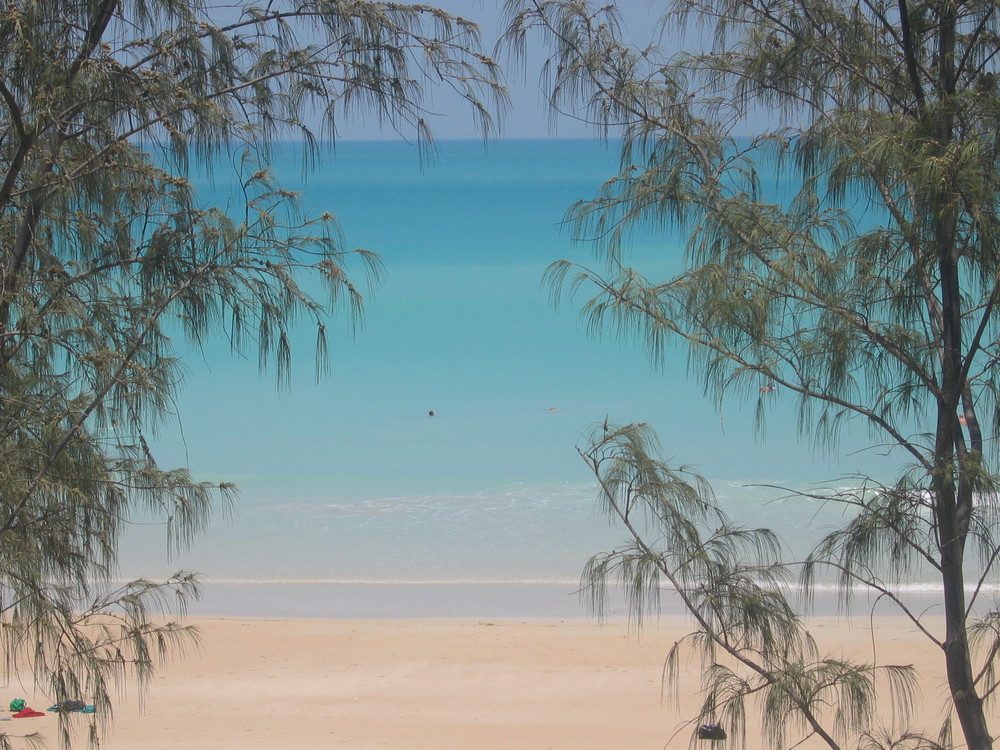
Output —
(349, 480)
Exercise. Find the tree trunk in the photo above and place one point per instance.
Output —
(953, 499)
(958, 661)
(952, 489)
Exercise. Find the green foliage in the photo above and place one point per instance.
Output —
(110, 255)
(865, 287)
(753, 645)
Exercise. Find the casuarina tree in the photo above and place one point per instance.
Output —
(111, 259)
(867, 294)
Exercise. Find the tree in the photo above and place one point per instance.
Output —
(870, 293)
(110, 255)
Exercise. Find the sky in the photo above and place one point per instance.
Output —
(528, 116)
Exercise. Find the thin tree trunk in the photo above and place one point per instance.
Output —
(952, 493)
(953, 503)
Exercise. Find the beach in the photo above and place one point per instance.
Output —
(389, 579)
(443, 683)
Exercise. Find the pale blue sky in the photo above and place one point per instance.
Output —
(528, 116)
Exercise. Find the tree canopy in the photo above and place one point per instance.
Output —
(867, 295)
(110, 256)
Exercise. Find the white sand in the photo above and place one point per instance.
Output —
(473, 684)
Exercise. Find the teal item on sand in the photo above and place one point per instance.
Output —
(72, 706)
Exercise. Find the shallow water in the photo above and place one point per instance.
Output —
(351, 480)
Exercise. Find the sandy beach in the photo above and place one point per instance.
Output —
(444, 683)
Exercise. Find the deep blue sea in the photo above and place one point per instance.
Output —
(351, 480)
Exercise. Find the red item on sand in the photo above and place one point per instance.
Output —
(27, 713)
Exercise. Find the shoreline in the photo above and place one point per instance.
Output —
(354, 600)
(359, 600)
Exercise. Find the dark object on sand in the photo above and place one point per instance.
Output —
(711, 732)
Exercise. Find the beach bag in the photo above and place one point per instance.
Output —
(711, 732)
